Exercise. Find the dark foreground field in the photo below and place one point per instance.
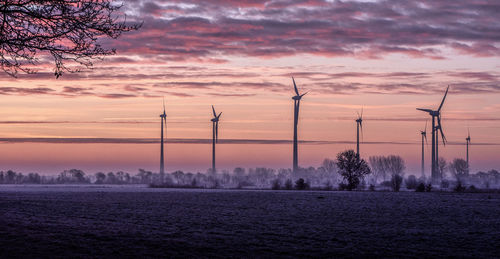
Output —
(139, 222)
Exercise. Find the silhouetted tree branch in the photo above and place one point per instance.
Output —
(67, 30)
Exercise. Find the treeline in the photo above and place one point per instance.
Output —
(346, 172)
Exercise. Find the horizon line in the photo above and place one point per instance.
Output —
(55, 140)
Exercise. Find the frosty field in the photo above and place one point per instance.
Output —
(142, 222)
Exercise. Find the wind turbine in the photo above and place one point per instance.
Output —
(359, 124)
(424, 136)
(215, 135)
(468, 143)
(296, 106)
(163, 117)
(436, 117)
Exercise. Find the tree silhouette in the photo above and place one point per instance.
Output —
(67, 30)
(459, 169)
(352, 168)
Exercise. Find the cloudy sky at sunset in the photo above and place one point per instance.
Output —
(387, 57)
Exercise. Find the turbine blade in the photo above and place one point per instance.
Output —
(361, 112)
(213, 109)
(425, 110)
(425, 137)
(425, 129)
(295, 86)
(441, 130)
(303, 94)
(442, 102)
(219, 115)
(163, 104)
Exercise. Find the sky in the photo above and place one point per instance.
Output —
(385, 57)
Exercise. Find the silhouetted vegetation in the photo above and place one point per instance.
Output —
(396, 181)
(276, 184)
(352, 168)
(459, 170)
(353, 172)
(67, 30)
(420, 187)
(411, 182)
(301, 184)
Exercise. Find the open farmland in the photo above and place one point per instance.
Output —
(142, 222)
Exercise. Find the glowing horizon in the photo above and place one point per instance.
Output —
(240, 56)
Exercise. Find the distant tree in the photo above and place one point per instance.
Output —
(378, 167)
(411, 182)
(32, 178)
(441, 168)
(329, 165)
(300, 184)
(276, 184)
(420, 187)
(145, 176)
(66, 30)
(288, 184)
(122, 177)
(111, 178)
(352, 168)
(1, 177)
(72, 176)
(395, 165)
(10, 177)
(460, 170)
(100, 178)
(396, 181)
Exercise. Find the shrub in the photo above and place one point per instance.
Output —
(459, 187)
(411, 182)
(301, 184)
(276, 184)
(371, 188)
(472, 188)
(420, 187)
(428, 187)
(288, 184)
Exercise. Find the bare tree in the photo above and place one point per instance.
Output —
(459, 169)
(395, 165)
(441, 168)
(329, 165)
(66, 30)
(378, 167)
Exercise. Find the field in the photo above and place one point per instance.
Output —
(140, 222)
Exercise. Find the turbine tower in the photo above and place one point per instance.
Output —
(468, 143)
(359, 124)
(296, 106)
(424, 136)
(215, 135)
(436, 118)
(163, 117)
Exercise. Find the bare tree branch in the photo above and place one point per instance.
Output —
(66, 30)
